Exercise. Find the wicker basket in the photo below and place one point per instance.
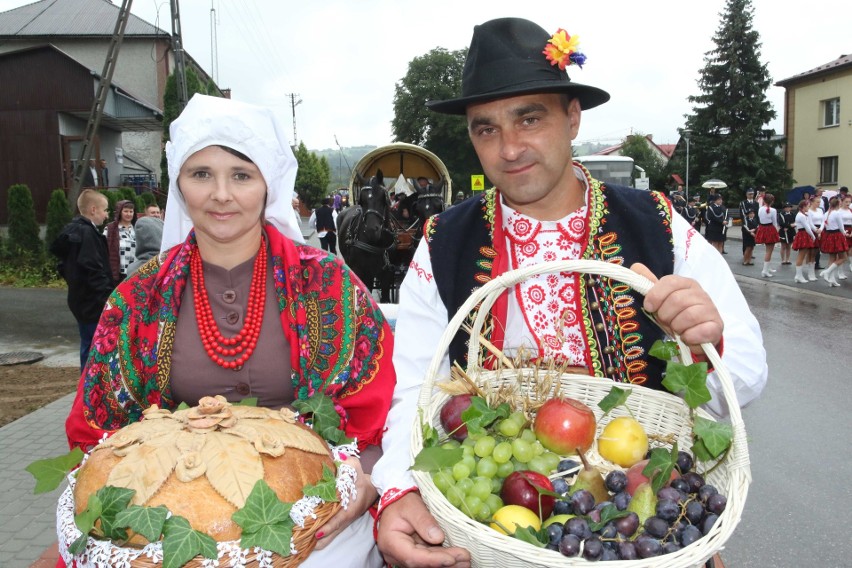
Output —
(659, 413)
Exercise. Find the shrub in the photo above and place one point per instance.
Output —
(24, 244)
(58, 215)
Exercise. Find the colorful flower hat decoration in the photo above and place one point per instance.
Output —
(562, 49)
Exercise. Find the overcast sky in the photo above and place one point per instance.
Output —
(344, 57)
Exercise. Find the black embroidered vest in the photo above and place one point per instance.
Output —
(626, 226)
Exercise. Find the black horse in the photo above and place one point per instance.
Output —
(365, 238)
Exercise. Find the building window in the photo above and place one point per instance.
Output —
(831, 112)
(828, 170)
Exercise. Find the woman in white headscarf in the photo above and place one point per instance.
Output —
(236, 305)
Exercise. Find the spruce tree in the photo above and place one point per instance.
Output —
(58, 215)
(729, 135)
(24, 246)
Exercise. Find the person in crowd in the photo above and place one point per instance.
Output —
(322, 219)
(716, 217)
(84, 265)
(749, 203)
(833, 241)
(235, 272)
(104, 173)
(749, 229)
(804, 244)
(786, 231)
(690, 213)
(149, 237)
(459, 197)
(521, 122)
(90, 175)
(767, 232)
(817, 216)
(153, 210)
(846, 215)
(121, 239)
(699, 212)
(822, 206)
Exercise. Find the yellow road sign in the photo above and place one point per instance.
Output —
(477, 183)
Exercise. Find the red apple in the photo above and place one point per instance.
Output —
(451, 419)
(635, 477)
(565, 426)
(519, 488)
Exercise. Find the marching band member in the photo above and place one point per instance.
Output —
(767, 232)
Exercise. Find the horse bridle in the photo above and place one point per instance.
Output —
(356, 227)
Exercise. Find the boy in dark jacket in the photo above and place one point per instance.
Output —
(84, 264)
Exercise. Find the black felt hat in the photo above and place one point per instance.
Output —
(506, 59)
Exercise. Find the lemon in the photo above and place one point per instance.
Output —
(623, 441)
(510, 517)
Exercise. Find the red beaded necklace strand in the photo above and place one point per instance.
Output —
(243, 343)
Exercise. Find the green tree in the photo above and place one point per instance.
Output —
(58, 215)
(171, 110)
(638, 147)
(24, 246)
(435, 76)
(313, 176)
(729, 139)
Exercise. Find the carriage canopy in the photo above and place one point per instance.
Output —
(400, 158)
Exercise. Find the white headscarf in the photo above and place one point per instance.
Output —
(255, 131)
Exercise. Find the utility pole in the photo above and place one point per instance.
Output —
(293, 104)
(180, 61)
(214, 43)
(100, 100)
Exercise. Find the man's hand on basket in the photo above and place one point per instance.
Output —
(410, 537)
(682, 307)
(367, 495)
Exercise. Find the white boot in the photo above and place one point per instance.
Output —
(766, 273)
(828, 276)
(840, 274)
(811, 272)
(800, 278)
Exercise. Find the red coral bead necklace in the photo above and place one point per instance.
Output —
(230, 352)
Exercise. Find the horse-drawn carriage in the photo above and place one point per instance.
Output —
(378, 234)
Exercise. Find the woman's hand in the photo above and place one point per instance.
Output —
(367, 495)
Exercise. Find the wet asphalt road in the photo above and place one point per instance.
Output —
(798, 508)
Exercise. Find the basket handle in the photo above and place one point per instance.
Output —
(490, 291)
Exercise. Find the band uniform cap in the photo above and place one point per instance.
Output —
(506, 59)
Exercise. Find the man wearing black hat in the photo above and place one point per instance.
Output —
(523, 112)
(748, 204)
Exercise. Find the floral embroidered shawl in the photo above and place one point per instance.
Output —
(341, 343)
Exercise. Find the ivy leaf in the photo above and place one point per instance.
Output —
(479, 415)
(85, 521)
(323, 417)
(615, 397)
(79, 546)
(430, 436)
(436, 457)
(608, 513)
(265, 520)
(689, 379)
(325, 488)
(660, 466)
(534, 537)
(113, 500)
(712, 437)
(147, 521)
(181, 543)
(270, 537)
(248, 401)
(665, 350)
(50, 472)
